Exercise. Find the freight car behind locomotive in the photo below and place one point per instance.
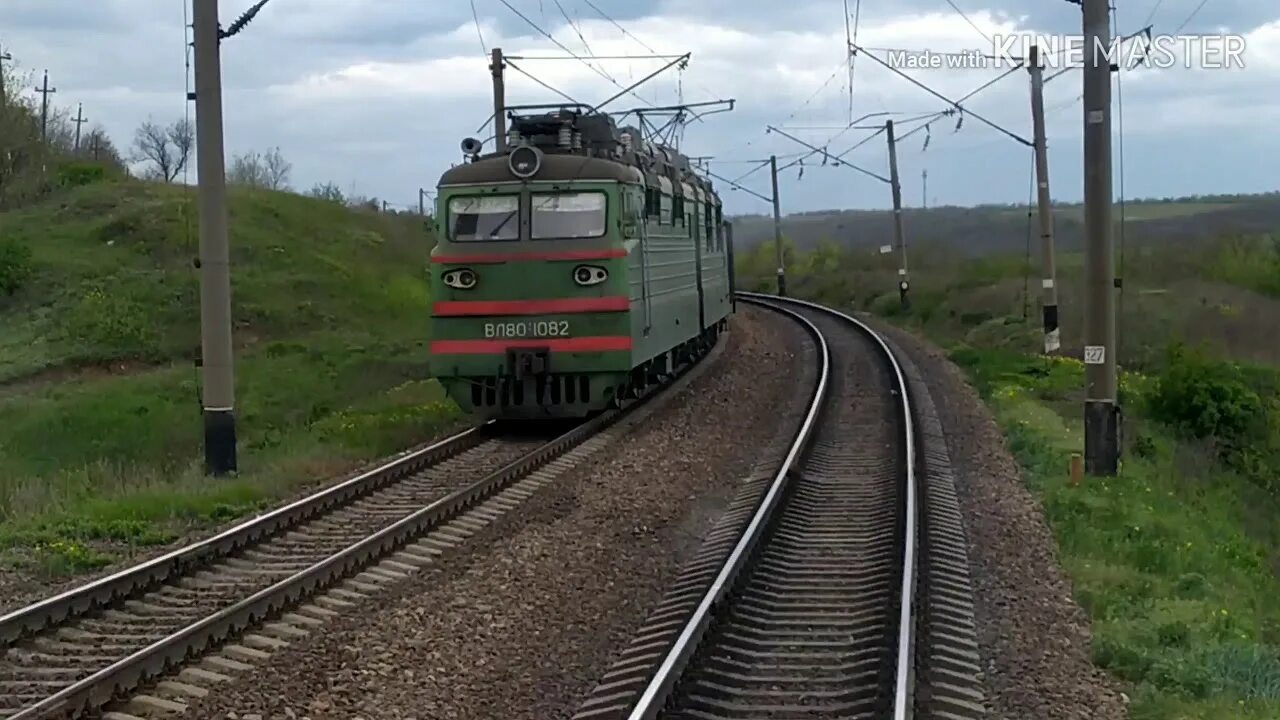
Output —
(574, 265)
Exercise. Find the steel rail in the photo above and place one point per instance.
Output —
(103, 591)
(906, 642)
(100, 687)
(658, 689)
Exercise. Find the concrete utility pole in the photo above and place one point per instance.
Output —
(215, 261)
(80, 120)
(899, 236)
(1101, 412)
(45, 91)
(422, 202)
(499, 101)
(924, 189)
(1048, 280)
(777, 227)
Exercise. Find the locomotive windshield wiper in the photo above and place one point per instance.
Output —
(494, 233)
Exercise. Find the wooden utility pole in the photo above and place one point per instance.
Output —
(215, 261)
(45, 91)
(924, 189)
(79, 121)
(499, 101)
(422, 202)
(777, 228)
(899, 236)
(1048, 279)
(1101, 412)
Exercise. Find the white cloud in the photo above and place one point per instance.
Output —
(381, 92)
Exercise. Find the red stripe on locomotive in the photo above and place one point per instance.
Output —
(542, 256)
(600, 343)
(463, 308)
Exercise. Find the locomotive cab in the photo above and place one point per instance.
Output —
(543, 288)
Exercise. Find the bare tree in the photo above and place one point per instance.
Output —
(248, 170)
(252, 169)
(165, 148)
(328, 191)
(97, 146)
(277, 170)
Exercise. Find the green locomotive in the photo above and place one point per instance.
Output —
(575, 266)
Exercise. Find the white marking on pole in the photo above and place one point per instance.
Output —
(1044, 185)
(1095, 354)
(886, 249)
(1046, 283)
(902, 271)
(1096, 116)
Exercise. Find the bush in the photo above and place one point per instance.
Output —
(78, 174)
(1215, 400)
(110, 323)
(15, 266)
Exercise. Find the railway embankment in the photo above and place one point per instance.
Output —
(521, 619)
(99, 399)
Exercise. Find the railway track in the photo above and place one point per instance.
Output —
(838, 588)
(84, 650)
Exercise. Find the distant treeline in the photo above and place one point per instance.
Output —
(1005, 228)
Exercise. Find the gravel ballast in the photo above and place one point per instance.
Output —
(1034, 638)
(523, 619)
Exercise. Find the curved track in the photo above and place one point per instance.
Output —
(79, 651)
(803, 603)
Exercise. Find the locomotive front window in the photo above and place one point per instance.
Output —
(568, 215)
(488, 217)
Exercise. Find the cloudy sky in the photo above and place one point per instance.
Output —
(375, 95)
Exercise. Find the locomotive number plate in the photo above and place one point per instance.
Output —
(535, 328)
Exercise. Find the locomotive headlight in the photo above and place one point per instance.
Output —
(586, 275)
(461, 279)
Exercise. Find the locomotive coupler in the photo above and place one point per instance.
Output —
(527, 362)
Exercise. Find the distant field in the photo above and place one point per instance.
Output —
(982, 230)
(99, 396)
(1141, 212)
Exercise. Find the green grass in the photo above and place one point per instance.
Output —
(99, 399)
(1176, 560)
(1173, 559)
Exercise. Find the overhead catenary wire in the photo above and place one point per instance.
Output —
(475, 16)
(1154, 8)
(972, 24)
(1190, 17)
(545, 85)
(953, 103)
(562, 46)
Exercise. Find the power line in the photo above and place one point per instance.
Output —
(1151, 15)
(529, 75)
(953, 103)
(629, 34)
(562, 46)
(479, 33)
(971, 23)
(1190, 17)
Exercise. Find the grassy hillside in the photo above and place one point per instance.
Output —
(1175, 559)
(99, 394)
